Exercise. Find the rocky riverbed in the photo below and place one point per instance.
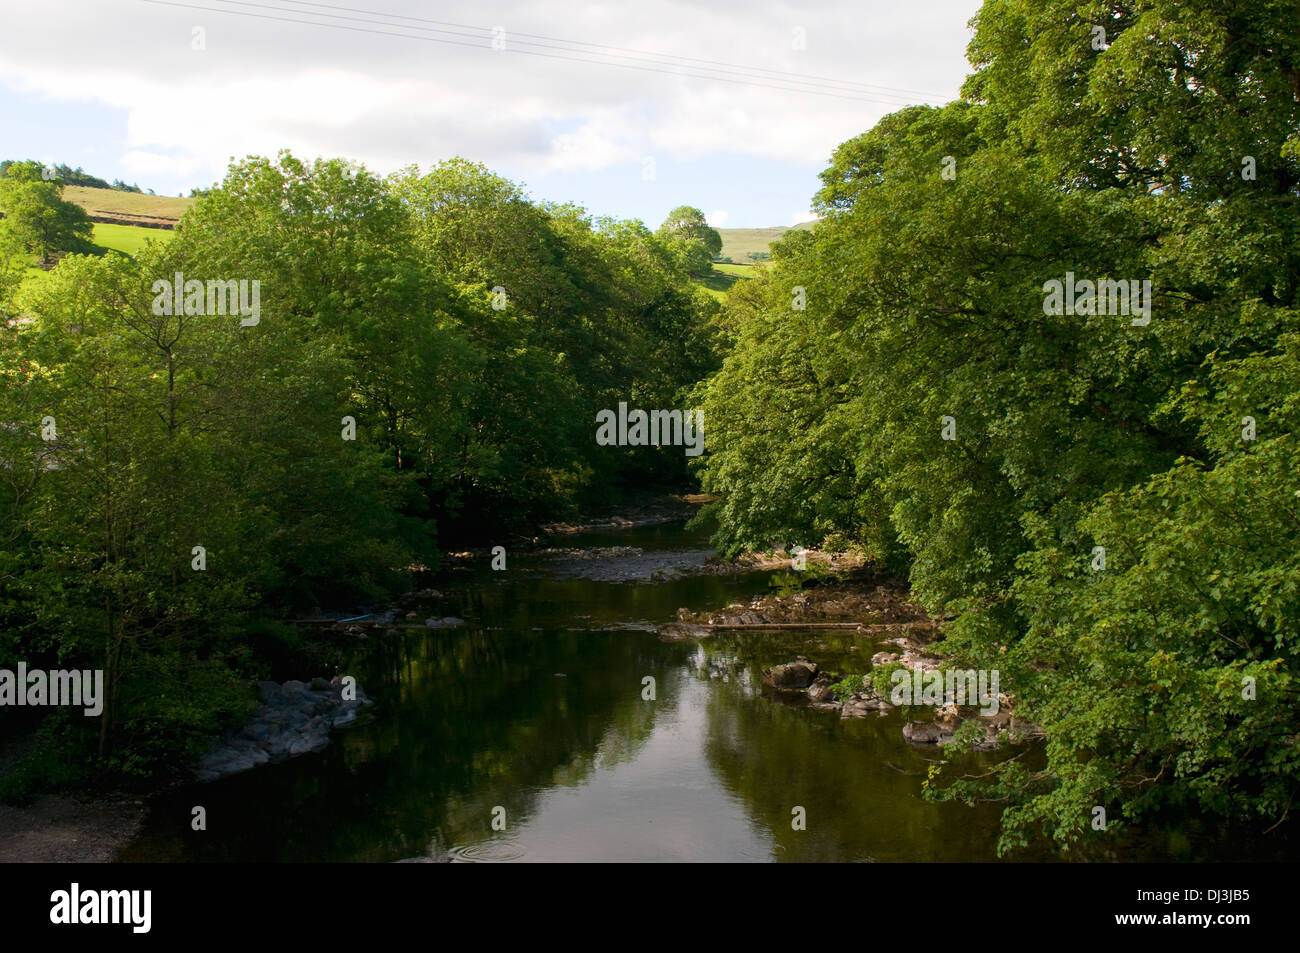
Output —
(876, 604)
(879, 608)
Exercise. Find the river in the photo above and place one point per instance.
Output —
(533, 714)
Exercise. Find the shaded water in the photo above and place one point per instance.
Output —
(536, 706)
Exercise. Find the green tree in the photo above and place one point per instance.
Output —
(915, 313)
(693, 242)
(36, 217)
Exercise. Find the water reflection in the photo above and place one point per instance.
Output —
(536, 708)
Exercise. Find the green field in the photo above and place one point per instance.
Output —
(725, 275)
(740, 244)
(127, 239)
(739, 271)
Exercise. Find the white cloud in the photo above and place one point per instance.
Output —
(588, 150)
(262, 85)
(717, 219)
(142, 162)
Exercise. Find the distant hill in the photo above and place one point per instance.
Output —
(741, 244)
(128, 208)
(160, 211)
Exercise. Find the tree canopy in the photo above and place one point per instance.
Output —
(693, 241)
(426, 362)
(897, 380)
(36, 219)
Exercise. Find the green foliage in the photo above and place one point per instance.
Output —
(53, 756)
(36, 219)
(177, 430)
(879, 680)
(847, 685)
(78, 176)
(923, 288)
(881, 677)
(692, 242)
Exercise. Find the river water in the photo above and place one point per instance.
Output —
(533, 713)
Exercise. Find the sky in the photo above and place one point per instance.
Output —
(628, 109)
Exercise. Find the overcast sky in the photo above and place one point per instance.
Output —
(121, 88)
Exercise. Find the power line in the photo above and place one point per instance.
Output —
(479, 46)
(711, 64)
(785, 87)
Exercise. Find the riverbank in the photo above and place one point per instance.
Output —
(650, 511)
(68, 829)
(658, 509)
(293, 719)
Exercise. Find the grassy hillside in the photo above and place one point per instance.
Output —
(740, 244)
(127, 206)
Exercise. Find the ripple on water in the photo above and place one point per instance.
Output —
(489, 852)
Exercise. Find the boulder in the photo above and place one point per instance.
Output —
(256, 731)
(926, 733)
(863, 703)
(294, 718)
(792, 676)
(820, 689)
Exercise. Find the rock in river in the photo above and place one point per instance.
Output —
(820, 688)
(293, 719)
(446, 622)
(926, 733)
(795, 676)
